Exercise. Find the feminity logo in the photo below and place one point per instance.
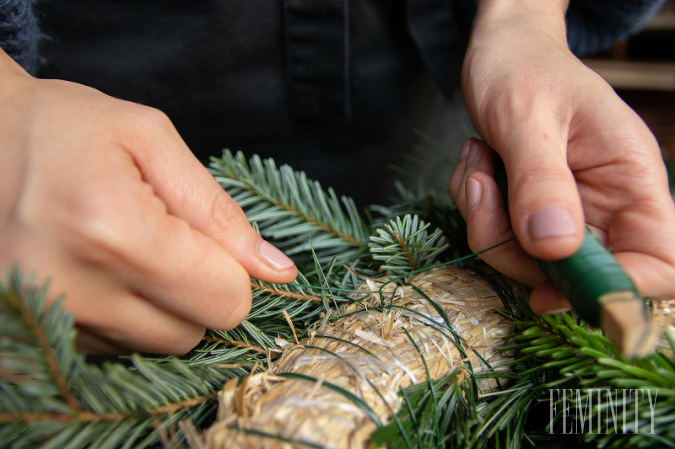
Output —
(602, 411)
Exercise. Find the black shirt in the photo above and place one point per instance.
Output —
(333, 87)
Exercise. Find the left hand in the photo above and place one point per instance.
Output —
(575, 155)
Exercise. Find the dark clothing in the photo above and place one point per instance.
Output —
(332, 87)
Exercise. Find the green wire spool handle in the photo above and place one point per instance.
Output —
(589, 275)
(600, 291)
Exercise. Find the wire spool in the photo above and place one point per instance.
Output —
(335, 387)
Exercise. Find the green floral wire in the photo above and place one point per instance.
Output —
(380, 291)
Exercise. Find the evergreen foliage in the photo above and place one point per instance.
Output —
(293, 211)
(52, 396)
(404, 245)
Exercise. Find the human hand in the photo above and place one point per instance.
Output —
(103, 198)
(574, 153)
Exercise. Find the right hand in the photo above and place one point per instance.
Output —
(103, 198)
(575, 155)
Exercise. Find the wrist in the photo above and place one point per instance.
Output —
(547, 16)
(557, 7)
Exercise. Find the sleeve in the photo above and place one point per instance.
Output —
(593, 25)
(19, 32)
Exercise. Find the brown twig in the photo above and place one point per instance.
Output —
(401, 242)
(80, 415)
(47, 350)
(288, 294)
(240, 344)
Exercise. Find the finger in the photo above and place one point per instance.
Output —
(479, 200)
(126, 233)
(114, 319)
(641, 240)
(488, 225)
(192, 194)
(544, 203)
(546, 299)
(476, 156)
(132, 323)
(184, 272)
(458, 175)
(653, 278)
(97, 291)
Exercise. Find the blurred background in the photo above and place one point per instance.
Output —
(642, 71)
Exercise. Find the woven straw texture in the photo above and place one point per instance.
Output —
(376, 347)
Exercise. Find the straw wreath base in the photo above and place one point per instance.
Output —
(346, 376)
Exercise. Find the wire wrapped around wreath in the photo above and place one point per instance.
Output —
(342, 382)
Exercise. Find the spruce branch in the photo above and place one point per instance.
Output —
(289, 208)
(257, 285)
(431, 207)
(50, 395)
(405, 244)
(560, 352)
(266, 322)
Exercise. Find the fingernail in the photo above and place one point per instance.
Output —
(551, 307)
(473, 190)
(554, 311)
(551, 222)
(465, 149)
(274, 256)
(473, 154)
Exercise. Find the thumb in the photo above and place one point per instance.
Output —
(544, 203)
(192, 194)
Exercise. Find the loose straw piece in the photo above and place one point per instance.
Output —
(290, 324)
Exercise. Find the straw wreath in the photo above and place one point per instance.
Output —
(335, 387)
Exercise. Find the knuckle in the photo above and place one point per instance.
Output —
(148, 120)
(92, 232)
(154, 117)
(542, 172)
(225, 213)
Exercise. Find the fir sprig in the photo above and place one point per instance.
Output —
(266, 322)
(292, 210)
(50, 395)
(431, 208)
(405, 244)
(585, 360)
